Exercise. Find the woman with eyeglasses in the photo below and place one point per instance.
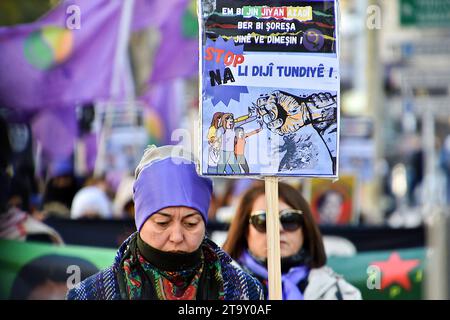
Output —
(305, 275)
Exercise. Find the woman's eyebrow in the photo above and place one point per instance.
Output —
(191, 214)
(164, 214)
(171, 216)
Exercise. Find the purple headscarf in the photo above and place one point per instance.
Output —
(170, 183)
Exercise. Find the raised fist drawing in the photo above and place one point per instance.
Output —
(322, 107)
(285, 113)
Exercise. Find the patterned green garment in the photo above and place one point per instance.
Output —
(171, 276)
(221, 278)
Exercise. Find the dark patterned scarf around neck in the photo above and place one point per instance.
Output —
(148, 273)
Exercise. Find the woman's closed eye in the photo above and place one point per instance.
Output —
(191, 223)
(162, 223)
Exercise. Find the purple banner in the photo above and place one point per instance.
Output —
(63, 59)
(177, 56)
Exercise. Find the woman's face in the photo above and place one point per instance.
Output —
(290, 241)
(229, 122)
(174, 229)
(331, 208)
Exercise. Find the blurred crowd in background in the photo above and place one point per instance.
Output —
(76, 161)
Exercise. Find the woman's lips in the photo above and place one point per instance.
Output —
(283, 242)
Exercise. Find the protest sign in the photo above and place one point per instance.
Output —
(334, 203)
(123, 137)
(269, 88)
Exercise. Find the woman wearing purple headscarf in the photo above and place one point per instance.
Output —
(170, 257)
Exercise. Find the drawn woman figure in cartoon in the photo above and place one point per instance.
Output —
(215, 124)
(239, 146)
(214, 143)
(226, 134)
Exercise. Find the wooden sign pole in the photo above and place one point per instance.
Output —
(273, 239)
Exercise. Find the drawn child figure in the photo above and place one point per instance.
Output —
(239, 146)
(213, 156)
(226, 135)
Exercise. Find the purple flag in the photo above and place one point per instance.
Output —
(163, 111)
(56, 130)
(47, 64)
(177, 56)
(90, 142)
(151, 13)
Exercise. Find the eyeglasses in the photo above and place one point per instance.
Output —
(290, 219)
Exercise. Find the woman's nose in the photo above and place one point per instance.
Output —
(176, 235)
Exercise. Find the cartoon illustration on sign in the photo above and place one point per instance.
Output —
(270, 88)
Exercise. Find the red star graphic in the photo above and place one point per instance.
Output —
(395, 270)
